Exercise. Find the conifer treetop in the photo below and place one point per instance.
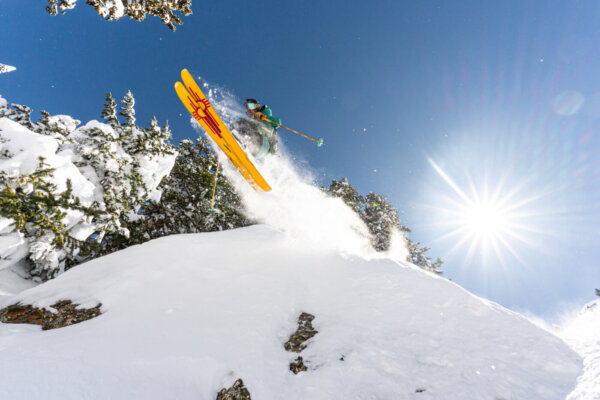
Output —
(135, 9)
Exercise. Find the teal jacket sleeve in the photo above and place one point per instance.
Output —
(267, 111)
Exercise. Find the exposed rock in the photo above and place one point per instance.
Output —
(66, 314)
(305, 331)
(298, 366)
(236, 392)
(297, 342)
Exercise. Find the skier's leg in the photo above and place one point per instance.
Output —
(273, 142)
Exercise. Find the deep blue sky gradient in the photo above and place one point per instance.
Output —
(474, 85)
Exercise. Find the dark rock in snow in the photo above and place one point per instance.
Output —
(236, 392)
(297, 342)
(66, 314)
(298, 366)
(305, 331)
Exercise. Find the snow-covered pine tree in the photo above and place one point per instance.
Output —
(63, 5)
(121, 149)
(131, 136)
(156, 138)
(381, 218)
(57, 126)
(420, 259)
(109, 113)
(104, 162)
(38, 212)
(184, 206)
(20, 114)
(135, 9)
(95, 155)
(346, 192)
(128, 109)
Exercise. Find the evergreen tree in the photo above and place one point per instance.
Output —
(97, 148)
(346, 192)
(598, 292)
(109, 113)
(417, 257)
(128, 109)
(58, 127)
(184, 206)
(55, 5)
(43, 126)
(37, 210)
(156, 139)
(131, 136)
(381, 218)
(135, 9)
(20, 114)
(105, 157)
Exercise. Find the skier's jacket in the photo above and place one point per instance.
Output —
(267, 111)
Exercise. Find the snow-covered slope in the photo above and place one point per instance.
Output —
(583, 334)
(184, 316)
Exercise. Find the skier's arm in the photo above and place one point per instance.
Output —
(269, 114)
(276, 120)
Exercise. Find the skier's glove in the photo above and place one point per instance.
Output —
(260, 116)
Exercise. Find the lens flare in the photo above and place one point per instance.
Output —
(568, 103)
(488, 222)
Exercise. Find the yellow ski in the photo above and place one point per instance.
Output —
(198, 105)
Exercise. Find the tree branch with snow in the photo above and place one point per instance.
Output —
(112, 10)
(6, 68)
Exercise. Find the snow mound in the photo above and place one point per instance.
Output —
(583, 334)
(26, 147)
(186, 315)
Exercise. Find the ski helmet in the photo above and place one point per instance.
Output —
(251, 104)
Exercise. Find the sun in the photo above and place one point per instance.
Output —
(488, 222)
(485, 220)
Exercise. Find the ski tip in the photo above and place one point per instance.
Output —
(320, 142)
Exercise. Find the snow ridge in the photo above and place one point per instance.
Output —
(583, 336)
(186, 315)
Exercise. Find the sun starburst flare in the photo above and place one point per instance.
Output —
(487, 222)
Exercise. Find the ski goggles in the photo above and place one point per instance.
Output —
(251, 106)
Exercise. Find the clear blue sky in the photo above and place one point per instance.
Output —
(504, 91)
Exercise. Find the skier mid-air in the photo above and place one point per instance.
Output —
(259, 130)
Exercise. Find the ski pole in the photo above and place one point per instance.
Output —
(212, 201)
(319, 142)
